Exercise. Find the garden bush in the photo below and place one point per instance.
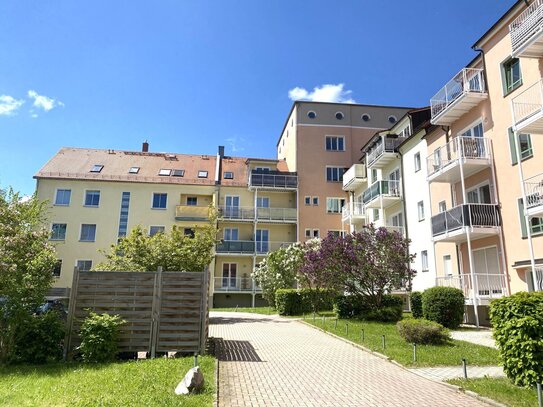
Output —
(416, 304)
(291, 301)
(39, 338)
(422, 331)
(518, 329)
(99, 335)
(444, 305)
(350, 306)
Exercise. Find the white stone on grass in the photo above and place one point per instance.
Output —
(193, 382)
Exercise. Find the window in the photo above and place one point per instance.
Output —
(231, 234)
(334, 205)
(58, 231)
(392, 119)
(311, 114)
(373, 175)
(316, 233)
(335, 143)
(123, 217)
(84, 265)
(420, 209)
(442, 206)
(479, 194)
(511, 75)
(417, 162)
(316, 200)
(308, 233)
(164, 172)
(178, 173)
(153, 230)
(525, 144)
(134, 170)
(189, 232)
(88, 233)
(262, 202)
(57, 267)
(262, 169)
(63, 197)
(96, 168)
(339, 116)
(159, 200)
(447, 265)
(307, 200)
(335, 174)
(424, 260)
(228, 175)
(92, 198)
(366, 117)
(229, 275)
(375, 215)
(192, 201)
(536, 224)
(202, 174)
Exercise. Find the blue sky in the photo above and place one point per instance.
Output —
(192, 75)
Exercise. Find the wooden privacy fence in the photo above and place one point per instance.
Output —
(164, 311)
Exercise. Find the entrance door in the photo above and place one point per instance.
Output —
(229, 275)
(473, 142)
(262, 240)
(231, 207)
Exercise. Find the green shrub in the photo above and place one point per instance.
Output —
(291, 301)
(416, 304)
(39, 339)
(99, 335)
(444, 305)
(384, 314)
(518, 329)
(351, 306)
(422, 331)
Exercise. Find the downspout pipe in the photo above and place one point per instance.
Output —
(482, 53)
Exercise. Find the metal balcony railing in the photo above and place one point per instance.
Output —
(355, 209)
(273, 179)
(390, 188)
(191, 212)
(249, 246)
(526, 25)
(488, 286)
(237, 212)
(246, 213)
(224, 284)
(534, 191)
(528, 103)
(466, 81)
(356, 172)
(387, 144)
(459, 148)
(466, 215)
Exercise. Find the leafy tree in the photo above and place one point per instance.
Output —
(278, 270)
(174, 251)
(27, 260)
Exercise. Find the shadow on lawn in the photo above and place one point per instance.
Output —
(50, 369)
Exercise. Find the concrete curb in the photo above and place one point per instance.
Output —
(380, 355)
(216, 399)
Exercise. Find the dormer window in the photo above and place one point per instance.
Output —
(134, 170)
(178, 173)
(228, 175)
(165, 172)
(96, 168)
(202, 174)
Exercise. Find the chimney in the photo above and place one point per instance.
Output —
(145, 147)
(221, 151)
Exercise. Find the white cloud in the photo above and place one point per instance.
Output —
(9, 105)
(325, 93)
(43, 102)
(234, 143)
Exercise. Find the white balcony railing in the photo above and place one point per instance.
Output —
(456, 149)
(349, 211)
(248, 213)
(357, 173)
(468, 80)
(225, 284)
(237, 212)
(528, 104)
(534, 191)
(487, 286)
(526, 26)
(386, 145)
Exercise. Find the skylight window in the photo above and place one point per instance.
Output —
(165, 172)
(134, 170)
(228, 175)
(96, 168)
(202, 174)
(178, 173)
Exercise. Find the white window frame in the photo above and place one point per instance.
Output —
(420, 211)
(153, 201)
(471, 127)
(164, 172)
(316, 234)
(329, 198)
(78, 260)
(424, 261)
(308, 233)
(81, 230)
(85, 198)
(478, 189)
(65, 232)
(337, 138)
(307, 200)
(69, 200)
(315, 201)
(187, 200)
(230, 230)
(442, 206)
(157, 226)
(335, 167)
(417, 161)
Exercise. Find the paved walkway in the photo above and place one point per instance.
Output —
(272, 361)
(478, 336)
(454, 372)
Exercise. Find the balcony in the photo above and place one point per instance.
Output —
(191, 213)
(467, 155)
(383, 151)
(480, 220)
(277, 215)
(526, 32)
(458, 96)
(354, 177)
(488, 286)
(248, 247)
(534, 196)
(237, 213)
(383, 194)
(528, 109)
(235, 284)
(353, 213)
(274, 180)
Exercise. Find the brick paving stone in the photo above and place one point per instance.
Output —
(454, 372)
(272, 361)
(477, 336)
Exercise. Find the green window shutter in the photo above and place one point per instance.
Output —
(512, 146)
(523, 227)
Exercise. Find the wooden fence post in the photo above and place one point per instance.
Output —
(71, 312)
(203, 311)
(155, 320)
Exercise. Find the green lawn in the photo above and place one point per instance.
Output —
(255, 310)
(134, 383)
(396, 348)
(500, 390)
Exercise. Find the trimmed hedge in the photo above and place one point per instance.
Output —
(444, 305)
(290, 301)
(416, 304)
(518, 329)
(350, 306)
(422, 331)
